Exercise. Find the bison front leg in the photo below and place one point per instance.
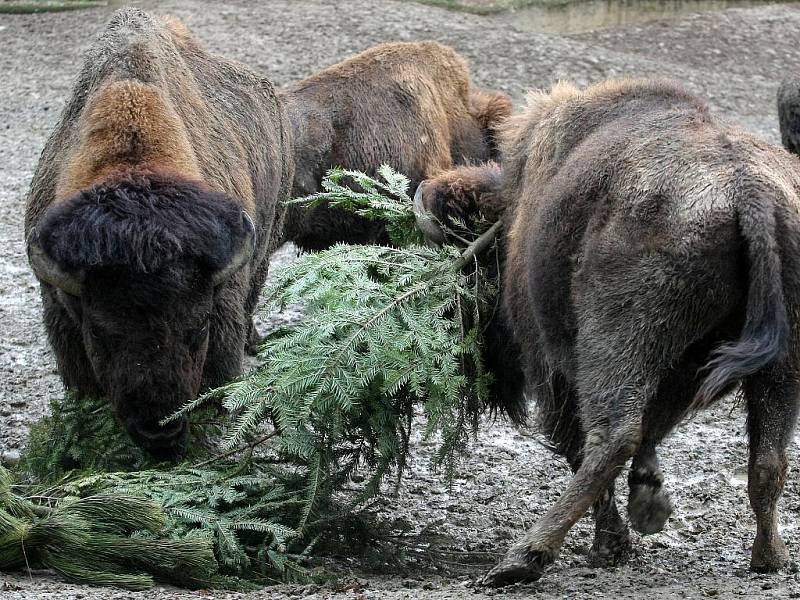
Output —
(612, 542)
(254, 340)
(772, 407)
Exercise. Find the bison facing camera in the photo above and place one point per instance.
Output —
(140, 258)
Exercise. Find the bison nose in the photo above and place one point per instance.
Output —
(162, 443)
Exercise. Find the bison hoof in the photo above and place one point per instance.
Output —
(649, 507)
(518, 567)
(611, 551)
(769, 557)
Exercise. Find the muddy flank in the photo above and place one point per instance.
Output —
(440, 538)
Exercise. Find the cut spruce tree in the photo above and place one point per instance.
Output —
(387, 334)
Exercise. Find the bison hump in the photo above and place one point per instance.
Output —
(127, 124)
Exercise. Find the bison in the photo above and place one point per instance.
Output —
(409, 105)
(150, 220)
(789, 113)
(651, 263)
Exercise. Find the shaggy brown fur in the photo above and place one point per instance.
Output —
(651, 264)
(167, 164)
(408, 105)
(127, 123)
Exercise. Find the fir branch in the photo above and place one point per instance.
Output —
(384, 198)
(385, 331)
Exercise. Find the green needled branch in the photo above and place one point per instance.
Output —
(385, 331)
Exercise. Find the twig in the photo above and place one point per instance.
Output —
(225, 455)
(479, 245)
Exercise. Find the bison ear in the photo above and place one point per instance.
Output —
(47, 269)
(241, 255)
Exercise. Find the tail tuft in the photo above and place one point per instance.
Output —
(765, 337)
(732, 362)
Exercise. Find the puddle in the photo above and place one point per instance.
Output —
(588, 15)
(739, 476)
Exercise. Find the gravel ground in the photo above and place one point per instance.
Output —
(735, 58)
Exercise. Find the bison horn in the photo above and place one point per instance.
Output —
(242, 256)
(49, 271)
(426, 221)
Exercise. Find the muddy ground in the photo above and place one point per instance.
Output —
(735, 58)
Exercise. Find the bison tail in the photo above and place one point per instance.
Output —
(765, 335)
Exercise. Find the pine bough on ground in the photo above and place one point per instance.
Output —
(385, 330)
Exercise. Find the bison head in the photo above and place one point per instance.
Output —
(137, 263)
(455, 198)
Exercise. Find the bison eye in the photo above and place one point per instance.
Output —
(195, 337)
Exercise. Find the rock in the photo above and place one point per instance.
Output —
(10, 458)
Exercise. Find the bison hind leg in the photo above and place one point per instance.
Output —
(772, 410)
(606, 450)
(649, 504)
(614, 384)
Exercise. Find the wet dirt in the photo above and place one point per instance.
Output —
(450, 536)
